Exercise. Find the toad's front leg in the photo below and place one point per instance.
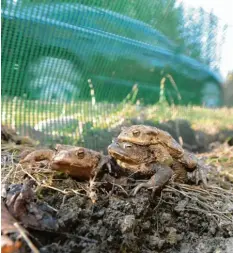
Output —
(104, 160)
(162, 175)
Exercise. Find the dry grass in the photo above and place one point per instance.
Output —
(222, 159)
(203, 201)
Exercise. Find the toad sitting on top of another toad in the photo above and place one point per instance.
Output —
(162, 149)
(148, 136)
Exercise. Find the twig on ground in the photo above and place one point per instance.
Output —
(25, 237)
(205, 202)
(120, 186)
(160, 199)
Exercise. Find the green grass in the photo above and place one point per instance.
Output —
(95, 115)
(199, 117)
(105, 115)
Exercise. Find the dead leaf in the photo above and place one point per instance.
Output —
(8, 246)
(7, 228)
(20, 201)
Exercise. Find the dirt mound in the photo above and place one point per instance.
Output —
(182, 218)
(176, 221)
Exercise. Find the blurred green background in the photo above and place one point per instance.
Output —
(72, 66)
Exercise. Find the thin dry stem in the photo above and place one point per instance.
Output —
(25, 237)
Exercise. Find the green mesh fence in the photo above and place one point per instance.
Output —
(72, 69)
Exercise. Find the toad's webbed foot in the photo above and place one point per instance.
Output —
(157, 181)
(199, 175)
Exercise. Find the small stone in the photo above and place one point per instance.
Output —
(146, 225)
(172, 237)
(99, 214)
(181, 206)
(166, 217)
(128, 223)
(154, 241)
(229, 245)
(161, 243)
(110, 238)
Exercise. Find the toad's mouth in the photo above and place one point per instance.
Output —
(62, 162)
(119, 154)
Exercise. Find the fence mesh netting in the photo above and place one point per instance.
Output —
(72, 69)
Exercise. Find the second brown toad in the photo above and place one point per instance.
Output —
(135, 158)
(165, 148)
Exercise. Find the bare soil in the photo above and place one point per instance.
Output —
(175, 221)
(181, 218)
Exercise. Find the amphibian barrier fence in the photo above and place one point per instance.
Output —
(74, 69)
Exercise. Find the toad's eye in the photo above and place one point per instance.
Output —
(136, 133)
(80, 153)
(127, 145)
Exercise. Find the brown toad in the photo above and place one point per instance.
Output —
(148, 135)
(165, 148)
(136, 158)
(140, 158)
(79, 162)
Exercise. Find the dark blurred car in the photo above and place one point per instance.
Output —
(49, 51)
